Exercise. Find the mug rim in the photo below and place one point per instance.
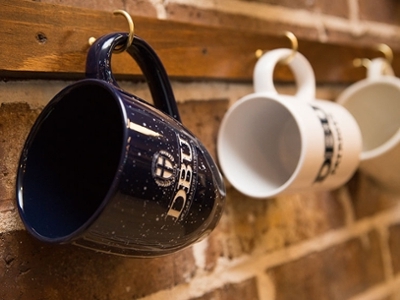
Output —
(114, 92)
(383, 80)
(304, 143)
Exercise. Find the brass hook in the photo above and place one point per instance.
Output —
(131, 31)
(387, 52)
(383, 48)
(131, 35)
(294, 45)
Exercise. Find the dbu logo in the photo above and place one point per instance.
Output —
(164, 168)
(182, 173)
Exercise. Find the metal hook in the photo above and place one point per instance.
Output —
(131, 31)
(387, 52)
(365, 62)
(131, 35)
(294, 45)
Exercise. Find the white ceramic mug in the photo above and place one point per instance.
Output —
(375, 104)
(270, 143)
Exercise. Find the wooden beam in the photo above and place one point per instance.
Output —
(41, 40)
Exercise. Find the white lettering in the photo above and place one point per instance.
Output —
(184, 156)
(185, 180)
(173, 211)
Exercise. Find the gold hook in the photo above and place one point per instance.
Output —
(131, 35)
(131, 31)
(295, 46)
(385, 49)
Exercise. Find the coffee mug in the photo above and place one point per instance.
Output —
(271, 144)
(105, 170)
(375, 104)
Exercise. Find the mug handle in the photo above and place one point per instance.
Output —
(98, 65)
(379, 67)
(263, 80)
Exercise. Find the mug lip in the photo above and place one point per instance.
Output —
(114, 92)
(304, 143)
(385, 147)
(383, 80)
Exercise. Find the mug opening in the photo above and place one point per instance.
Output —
(376, 108)
(70, 160)
(260, 147)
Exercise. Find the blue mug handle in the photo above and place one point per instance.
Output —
(98, 65)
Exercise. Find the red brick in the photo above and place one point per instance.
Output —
(184, 266)
(336, 273)
(214, 249)
(140, 8)
(367, 197)
(287, 3)
(245, 290)
(6, 205)
(208, 17)
(203, 119)
(33, 270)
(338, 8)
(384, 11)
(279, 222)
(394, 246)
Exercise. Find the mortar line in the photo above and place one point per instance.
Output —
(248, 266)
(265, 286)
(332, 238)
(379, 291)
(353, 10)
(386, 254)
(160, 9)
(345, 201)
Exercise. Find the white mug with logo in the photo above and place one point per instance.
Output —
(269, 143)
(375, 104)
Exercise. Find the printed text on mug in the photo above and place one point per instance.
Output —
(184, 195)
(330, 163)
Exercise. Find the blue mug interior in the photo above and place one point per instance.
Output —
(75, 149)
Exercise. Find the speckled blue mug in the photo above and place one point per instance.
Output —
(105, 170)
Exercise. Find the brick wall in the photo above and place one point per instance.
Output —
(343, 244)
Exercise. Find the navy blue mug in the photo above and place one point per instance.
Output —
(105, 170)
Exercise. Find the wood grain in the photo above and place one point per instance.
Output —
(50, 41)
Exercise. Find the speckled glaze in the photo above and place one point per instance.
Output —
(105, 170)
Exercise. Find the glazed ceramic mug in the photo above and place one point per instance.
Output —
(271, 144)
(375, 104)
(105, 170)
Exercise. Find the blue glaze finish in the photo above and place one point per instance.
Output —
(98, 65)
(105, 170)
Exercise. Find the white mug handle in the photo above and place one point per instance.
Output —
(379, 67)
(263, 80)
